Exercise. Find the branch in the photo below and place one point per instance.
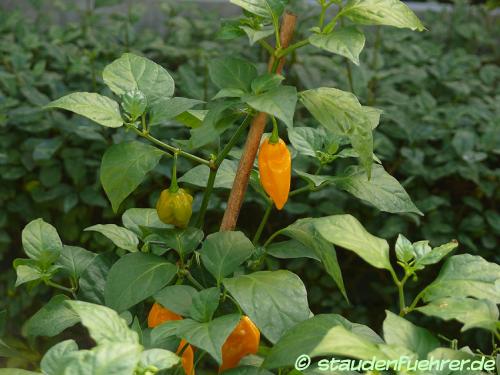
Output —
(254, 136)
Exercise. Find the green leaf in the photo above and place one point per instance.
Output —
(198, 176)
(404, 249)
(159, 358)
(402, 333)
(54, 361)
(266, 82)
(132, 72)
(209, 336)
(41, 242)
(324, 335)
(254, 35)
(27, 270)
(262, 8)
(93, 279)
(229, 93)
(121, 237)
(473, 313)
(184, 241)
(104, 324)
(435, 255)
(291, 249)
(232, 73)
(382, 12)
(109, 358)
(53, 318)
(305, 232)
(135, 218)
(177, 298)
(381, 190)
(307, 141)
(347, 42)
(168, 108)
(17, 371)
(223, 252)
(74, 260)
(346, 231)
(279, 102)
(134, 103)
(466, 275)
(124, 166)
(136, 277)
(192, 118)
(204, 304)
(274, 300)
(341, 113)
(98, 108)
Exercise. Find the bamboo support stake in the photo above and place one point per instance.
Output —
(252, 144)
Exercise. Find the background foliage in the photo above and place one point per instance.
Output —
(438, 135)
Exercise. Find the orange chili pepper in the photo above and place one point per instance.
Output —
(158, 315)
(275, 168)
(244, 340)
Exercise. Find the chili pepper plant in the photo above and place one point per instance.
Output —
(175, 295)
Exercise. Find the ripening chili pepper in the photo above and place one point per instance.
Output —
(244, 340)
(275, 168)
(158, 315)
(175, 205)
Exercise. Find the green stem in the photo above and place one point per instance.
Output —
(193, 281)
(303, 189)
(234, 139)
(266, 46)
(415, 302)
(275, 136)
(324, 8)
(200, 357)
(206, 197)
(170, 148)
(174, 187)
(61, 287)
(281, 53)
(272, 237)
(143, 122)
(263, 222)
(400, 286)
(215, 167)
(276, 27)
(235, 303)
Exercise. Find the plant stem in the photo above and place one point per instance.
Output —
(206, 197)
(266, 46)
(218, 161)
(263, 222)
(415, 302)
(174, 188)
(346, 60)
(193, 281)
(200, 357)
(400, 285)
(293, 47)
(61, 287)
(274, 138)
(234, 139)
(171, 148)
(272, 237)
(235, 303)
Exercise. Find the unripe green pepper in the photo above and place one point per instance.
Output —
(175, 207)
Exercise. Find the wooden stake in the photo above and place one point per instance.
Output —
(252, 144)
